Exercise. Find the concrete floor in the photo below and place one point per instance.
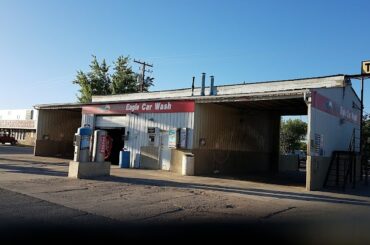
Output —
(160, 200)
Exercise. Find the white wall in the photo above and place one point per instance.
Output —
(17, 114)
(336, 133)
(137, 126)
(139, 123)
(88, 119)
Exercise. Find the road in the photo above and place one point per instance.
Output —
(9, 149)
(36, 195)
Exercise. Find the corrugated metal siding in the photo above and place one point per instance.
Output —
(57, 124)
(139, 123)
(88, 119)
(226, 128)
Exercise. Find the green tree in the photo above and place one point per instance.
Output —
(148, 82)
(99, 78)
(85, 87)
(98, 81)
(292, 132)
(124, 80)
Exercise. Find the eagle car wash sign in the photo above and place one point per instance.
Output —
(325, 104)
(365, 70)
(140, 107)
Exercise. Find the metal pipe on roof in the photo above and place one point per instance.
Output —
(192, 87)
(307, 96)
(203, 84)
(211, 90)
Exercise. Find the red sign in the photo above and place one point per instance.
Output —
(140, 107)
(103, 140)
(324, 104)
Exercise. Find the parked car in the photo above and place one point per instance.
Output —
(301, 154)
(5, 138)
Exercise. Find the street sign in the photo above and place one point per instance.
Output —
(365, 69)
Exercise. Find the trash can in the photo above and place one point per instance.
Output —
(188, 164)
(124, 159)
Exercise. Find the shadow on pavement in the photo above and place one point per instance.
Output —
(33, 162)
(31, 170)
(361, 189)
(18, 150)
(293, 178)
(246, 191)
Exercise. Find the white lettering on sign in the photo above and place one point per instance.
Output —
(324, 104)
(103, 141)
(348, 114)
(140, 107)
(163, 106)
(146, 107)
(132, 107)
(158, 106)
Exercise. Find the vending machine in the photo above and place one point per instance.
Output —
(153, 136)
(82, 144)
(183, 138)
(102, 146)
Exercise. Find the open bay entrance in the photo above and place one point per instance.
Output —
(241, 139)
(115, 126)
(117, 137)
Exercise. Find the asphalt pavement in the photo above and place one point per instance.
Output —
(38, 201)
(10, 149)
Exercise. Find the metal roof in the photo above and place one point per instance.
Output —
(234, 90)
(283, 89)
(67, 106)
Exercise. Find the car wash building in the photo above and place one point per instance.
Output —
(229, 130)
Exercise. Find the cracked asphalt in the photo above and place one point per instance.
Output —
(35, 193)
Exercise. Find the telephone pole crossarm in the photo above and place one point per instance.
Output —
(143, 70)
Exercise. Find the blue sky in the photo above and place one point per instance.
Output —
(44, 43)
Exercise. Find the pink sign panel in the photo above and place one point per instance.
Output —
(324, 104)
(140, 107)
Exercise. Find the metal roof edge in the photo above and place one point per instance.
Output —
(186, 97)
(226, 85)
(206, 98)
(254, 96)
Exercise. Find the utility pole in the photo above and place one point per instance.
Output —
(143, 70)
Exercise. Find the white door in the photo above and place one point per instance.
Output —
(165, 152)
(111, 121)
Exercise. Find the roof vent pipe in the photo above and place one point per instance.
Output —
(212, 88)
(203, 84)
(192, 87)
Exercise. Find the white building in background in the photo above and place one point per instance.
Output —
(20, 123)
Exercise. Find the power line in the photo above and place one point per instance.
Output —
(143, 70)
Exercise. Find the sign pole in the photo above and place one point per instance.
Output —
(365, 71)
(361, 127)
